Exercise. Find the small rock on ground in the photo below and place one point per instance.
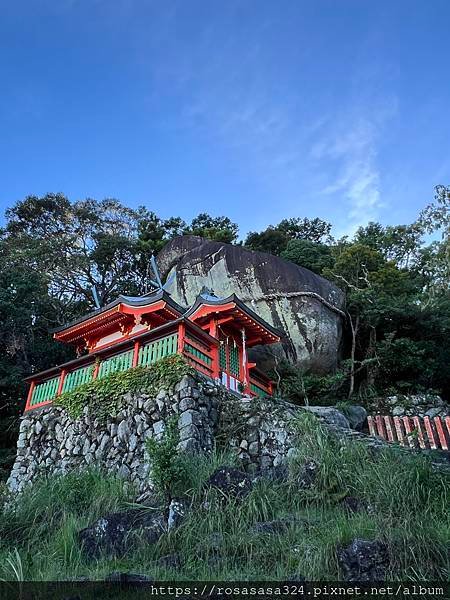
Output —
(364, 560)
(230, 481)
(116, 533)
(118, 577)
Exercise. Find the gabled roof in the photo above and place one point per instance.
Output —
(115, 310)
(242, 313)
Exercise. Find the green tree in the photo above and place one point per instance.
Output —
(352, 270)
(276, 239)
(313, 230)
(311, 255)
(87, 244)
(27, 313)
(270, 240)
(220, 229)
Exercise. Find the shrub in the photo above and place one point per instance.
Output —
(166, 468)
(302, 387)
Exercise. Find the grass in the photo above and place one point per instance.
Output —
(408, 511)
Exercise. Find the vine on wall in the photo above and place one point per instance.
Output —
(104, 397)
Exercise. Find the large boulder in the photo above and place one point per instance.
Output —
(305, 306)
(356, 415)
(329, 414)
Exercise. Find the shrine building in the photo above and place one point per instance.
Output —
(213, 335)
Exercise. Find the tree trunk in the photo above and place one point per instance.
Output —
(354, 327)
(372, 367)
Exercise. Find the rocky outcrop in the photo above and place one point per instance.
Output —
(364, 560)
(411, 405)
(230, 482)
(305, 306)
(117, 534)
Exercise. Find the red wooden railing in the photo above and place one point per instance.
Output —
(415, 432)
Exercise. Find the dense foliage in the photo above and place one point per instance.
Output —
(54, 253)
(167, 468)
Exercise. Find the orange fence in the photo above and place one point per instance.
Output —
(415, 432)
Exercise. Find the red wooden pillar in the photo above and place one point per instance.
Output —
(136, 354)
(215, 349)
(30, 395)
(270, 386)
(96, 368)
(181, 333)
(244, 375)
(61, 382)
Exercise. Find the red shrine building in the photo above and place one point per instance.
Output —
(213, 335)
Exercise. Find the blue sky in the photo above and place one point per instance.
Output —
(257, 109)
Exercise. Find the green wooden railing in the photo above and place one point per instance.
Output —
(118, 362)
(45, 391)
(259, 391)
(147, 355)
(234, 360)
(198, 353)
(75, 378)
(152, 352)
(232, 351)
(223, 357)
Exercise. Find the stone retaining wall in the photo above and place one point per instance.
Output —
(50, 442)
(412, 405)
(259, 431)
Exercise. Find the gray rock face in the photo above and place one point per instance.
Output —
(115, 534)
(364, 560)
(230, 482)
(356, 416)
(329, 414)
(412, 405)
(177, 512)
(307, 307)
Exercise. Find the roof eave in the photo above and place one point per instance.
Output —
(143, 301)
(199, 301)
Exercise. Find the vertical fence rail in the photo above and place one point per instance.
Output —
(415, 432)
(44, 392)
(76, 378)
(118, 362)
(150, 353)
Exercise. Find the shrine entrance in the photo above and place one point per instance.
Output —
(230, 363)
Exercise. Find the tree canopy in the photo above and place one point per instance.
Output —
(54, 253)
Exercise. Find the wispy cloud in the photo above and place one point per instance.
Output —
(349, 151)
(313, 157)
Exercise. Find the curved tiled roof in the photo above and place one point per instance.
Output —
(211, 301)
(147, 299)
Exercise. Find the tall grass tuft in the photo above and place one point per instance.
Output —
(38, 529)
(407, 498)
